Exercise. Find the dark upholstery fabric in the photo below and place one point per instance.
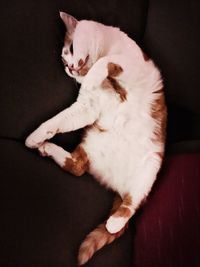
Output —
(46, 213)
(33, 84)
(172, 39)
(167, 227)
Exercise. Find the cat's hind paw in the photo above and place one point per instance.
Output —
(115, 224)
(44, 149)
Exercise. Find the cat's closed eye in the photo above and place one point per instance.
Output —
(71, 49)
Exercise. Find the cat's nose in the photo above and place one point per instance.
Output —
(71, 66)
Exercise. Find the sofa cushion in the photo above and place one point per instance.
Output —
(167, 227)
(46, 213)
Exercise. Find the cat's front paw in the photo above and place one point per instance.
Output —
(34, 140)
(37, 138)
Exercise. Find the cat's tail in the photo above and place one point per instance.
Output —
(98, 238)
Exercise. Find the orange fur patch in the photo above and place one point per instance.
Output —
(116, 204)
(111, 83)
(79, 162)
(80, 62)
(159, 114)
(123, 206)
(114, 69)
(122, 212)
(83, 71)
(127, 201)
(67, 39)
(83, 66)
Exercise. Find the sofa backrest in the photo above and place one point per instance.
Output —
(172, 39)
(34, 86)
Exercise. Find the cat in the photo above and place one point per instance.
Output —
(121, 104)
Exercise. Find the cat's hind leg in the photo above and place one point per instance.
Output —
(76, 162)
(121, 215)
(137, 193)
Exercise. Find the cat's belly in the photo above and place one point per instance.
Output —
(115, 158)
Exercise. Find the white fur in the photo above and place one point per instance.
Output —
(56, 152)
(123, 157)
(115, 224)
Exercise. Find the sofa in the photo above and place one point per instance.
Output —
(46, 212)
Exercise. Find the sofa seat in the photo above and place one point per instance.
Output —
(46, 213)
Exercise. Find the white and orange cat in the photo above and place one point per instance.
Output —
(121, 105)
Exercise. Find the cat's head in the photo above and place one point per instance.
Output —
(81, 47)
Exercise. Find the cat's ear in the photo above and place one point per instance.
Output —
(69, 21)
